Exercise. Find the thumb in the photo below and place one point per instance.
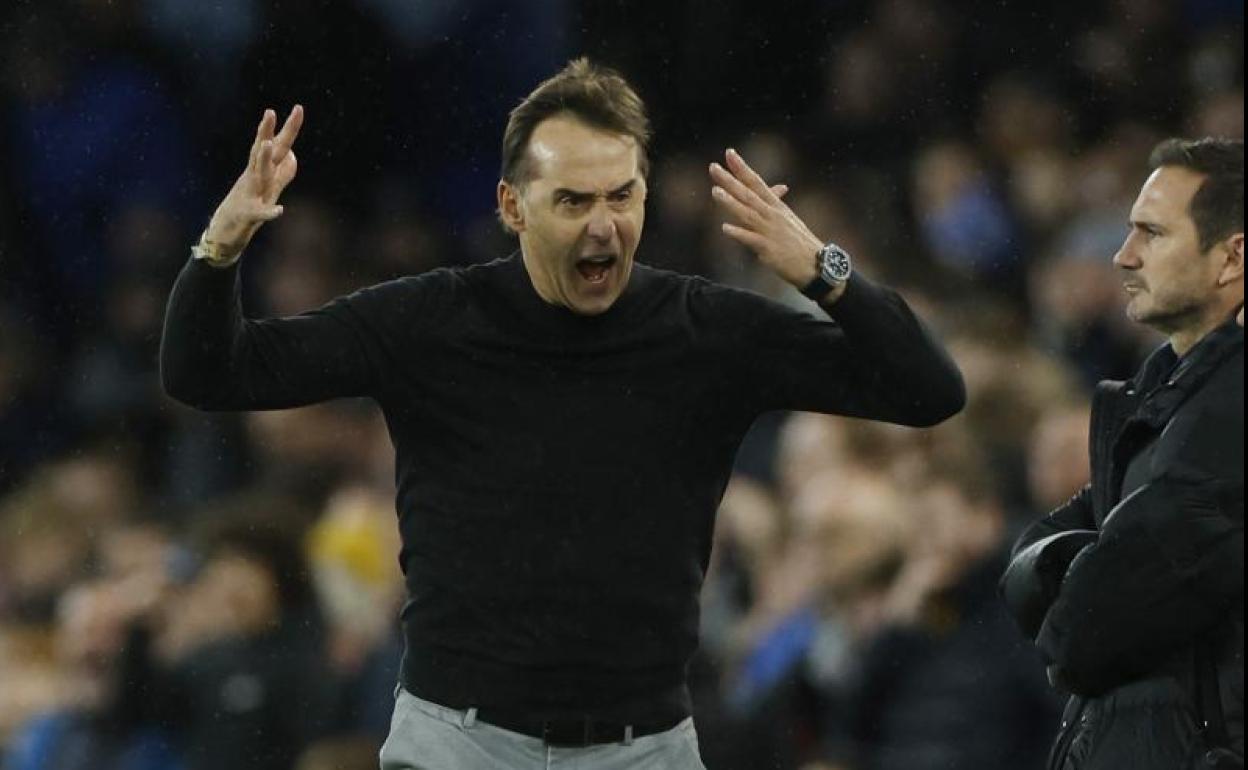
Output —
(269, 213)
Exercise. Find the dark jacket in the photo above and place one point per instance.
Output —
(963, 651)
(242, 702)
(1134, 590)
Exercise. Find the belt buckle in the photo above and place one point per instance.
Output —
(563, 733)
(567, 733)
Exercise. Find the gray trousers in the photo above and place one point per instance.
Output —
(427, 736)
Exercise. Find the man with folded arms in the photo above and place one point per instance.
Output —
(1134, 590)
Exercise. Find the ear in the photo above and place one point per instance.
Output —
(510, 208)
(1233, 260)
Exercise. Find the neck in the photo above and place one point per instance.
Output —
(537, 278)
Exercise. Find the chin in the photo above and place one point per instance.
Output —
(591, 301)
(1165, 321)
(1138, 311)
(596, 306)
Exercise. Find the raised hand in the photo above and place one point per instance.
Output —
(252, 201)
(762, 221)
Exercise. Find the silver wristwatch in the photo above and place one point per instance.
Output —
(834, 268)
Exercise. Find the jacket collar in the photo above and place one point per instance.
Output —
(1167, 385)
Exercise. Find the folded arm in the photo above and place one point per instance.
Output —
(1168, 565)
(1041, 557)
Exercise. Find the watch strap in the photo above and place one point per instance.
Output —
(818, 288)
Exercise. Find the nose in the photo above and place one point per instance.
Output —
(1126, 258)
(601, 226)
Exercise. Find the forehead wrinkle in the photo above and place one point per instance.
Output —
(600, 192)
(572, 155)
(586, 174)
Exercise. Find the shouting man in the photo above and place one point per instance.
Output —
(565, 421)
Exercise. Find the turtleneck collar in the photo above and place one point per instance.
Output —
(518, 287)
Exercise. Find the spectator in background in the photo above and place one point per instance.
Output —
(87, 734)
(784, 668)
(680, 215)
(308, 453)
(859, 535)
(750, 536)
(1014, 383)
(965, 220)
(945, 640)
(79, 109)
(48, 527)
(1133, 591)
(234, 663)
(1057, 455)
(1027, 129)
(351, 553)
(28, 417)
(1220, 114)
(1078, 308)
(114, 387)
(299, 269)
(67, 719)
(35, 682)
(400, 239)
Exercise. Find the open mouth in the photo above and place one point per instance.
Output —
(595, 269)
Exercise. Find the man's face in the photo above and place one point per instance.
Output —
(580, 216)
(1170, 283)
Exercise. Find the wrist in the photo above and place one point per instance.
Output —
(805, 276)
(832, 268)
(806, 269)
(835, 294)
(216, 253)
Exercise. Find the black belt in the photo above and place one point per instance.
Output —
(572, 732)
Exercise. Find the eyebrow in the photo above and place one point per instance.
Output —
(583, 195)
(1145, 224)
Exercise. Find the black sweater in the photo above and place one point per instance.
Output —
(558, 475)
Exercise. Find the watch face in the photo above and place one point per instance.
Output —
(834, 264)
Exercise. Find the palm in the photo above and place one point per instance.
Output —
(268, 188)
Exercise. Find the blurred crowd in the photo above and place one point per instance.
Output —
(187, 590)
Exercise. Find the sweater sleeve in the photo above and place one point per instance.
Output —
(213, 358)
(873, 359)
